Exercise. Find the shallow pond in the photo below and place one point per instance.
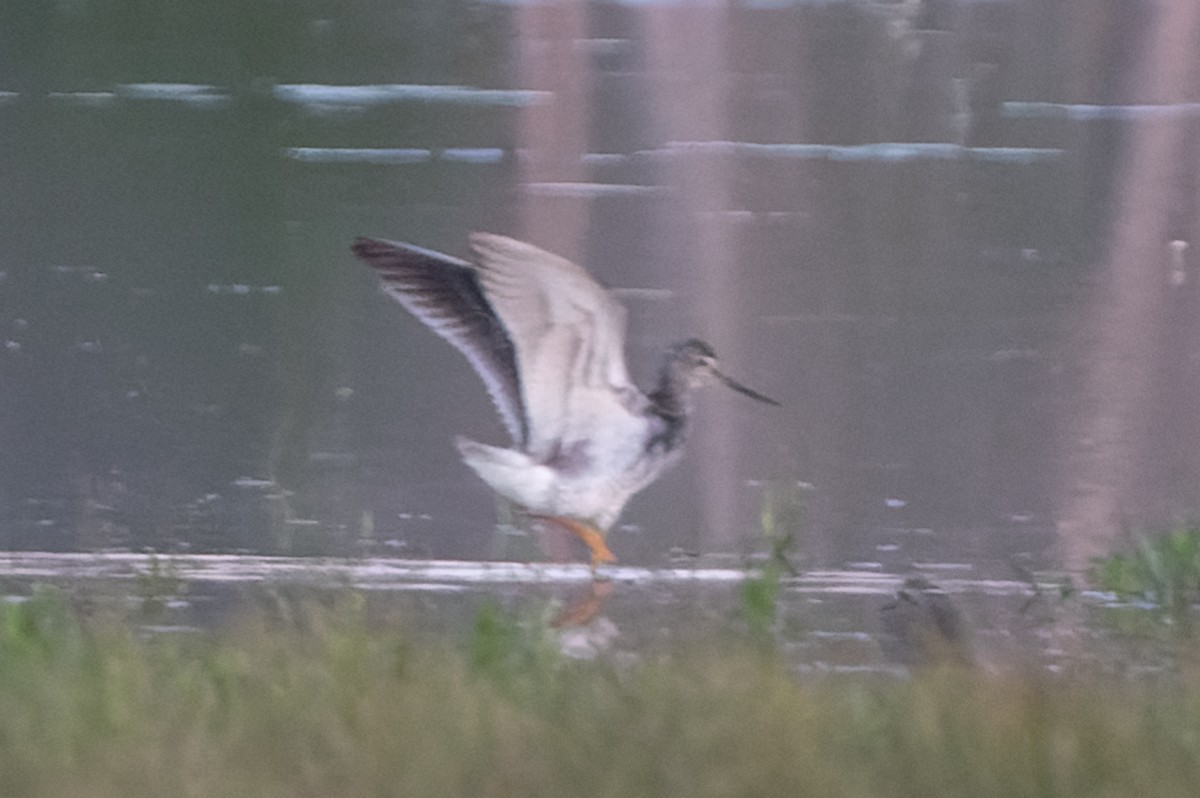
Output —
(955, 240)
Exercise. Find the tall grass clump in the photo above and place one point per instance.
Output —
(329, 701)
(781, 519)
(1163, 569)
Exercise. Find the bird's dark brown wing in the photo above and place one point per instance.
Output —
(444, 293)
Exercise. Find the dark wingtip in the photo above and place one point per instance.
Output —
(365, 247)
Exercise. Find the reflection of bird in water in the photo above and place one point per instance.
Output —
(582, 632)
(584, 608)
(923, 627)
(548, 342)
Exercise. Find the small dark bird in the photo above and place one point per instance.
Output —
(549, 343)
(923, 627)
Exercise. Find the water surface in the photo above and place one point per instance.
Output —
(954, 243)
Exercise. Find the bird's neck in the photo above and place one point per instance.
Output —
(672, 397)
(671, 404)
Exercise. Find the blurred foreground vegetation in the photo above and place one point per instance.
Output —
(325, 700)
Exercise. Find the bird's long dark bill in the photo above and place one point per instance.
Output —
(737, 386)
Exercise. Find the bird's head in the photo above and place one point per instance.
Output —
(693, 363)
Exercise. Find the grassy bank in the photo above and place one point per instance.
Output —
(329, 703)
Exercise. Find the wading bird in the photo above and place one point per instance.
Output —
(548, 342)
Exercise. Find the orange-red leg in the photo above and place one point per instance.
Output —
(591, 537)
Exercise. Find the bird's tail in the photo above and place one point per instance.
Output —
(511, 473)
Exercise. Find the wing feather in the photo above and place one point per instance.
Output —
(568, 331)
(446, 295)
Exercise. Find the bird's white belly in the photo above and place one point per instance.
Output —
(590, 475)
(599, 475)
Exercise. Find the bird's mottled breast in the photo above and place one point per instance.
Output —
(666, 433)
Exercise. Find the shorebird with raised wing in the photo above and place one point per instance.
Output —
(549, 343)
